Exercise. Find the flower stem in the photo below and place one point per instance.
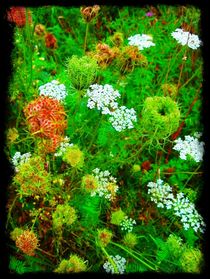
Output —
(86, 34)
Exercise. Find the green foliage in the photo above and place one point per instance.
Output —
(52, 194)
(90, 211)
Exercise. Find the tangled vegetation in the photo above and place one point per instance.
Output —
(104, 137)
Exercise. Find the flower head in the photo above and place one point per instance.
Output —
(122, 118)
(73, 265)
(50, 41)
(73, 156)
(119, 265)
(46, 119)
(64, 215)
(190, 147)
(104, 236)
(54, 90)
(141, 41)
(102, 97)
(27, 242)
(186, 38)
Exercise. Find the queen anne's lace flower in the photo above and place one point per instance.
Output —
(127, 224)
(120, 263)
(161, 193)
(123, 118)
(186, 38)
(19, 159)
(62, 148)
(107, 186)
(102, 97)
(190, 146)
(54, 90)
(141, 41)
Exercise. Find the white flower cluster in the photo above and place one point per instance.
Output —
(62, 148)
(19, 159)
(190, 146)
(161, 194)
(123, 118)
(141, 41)
(186, 38)
(54, 90)
(127, 224)
(102, 97)
(104, 180)
(186, 211)
(120, 263)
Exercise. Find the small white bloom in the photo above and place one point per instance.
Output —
(141, 41)
(53, 90)
(186, 38)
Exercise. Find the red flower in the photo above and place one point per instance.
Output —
(50, 41)
(17, 15)
(46, 119)
(27, 242)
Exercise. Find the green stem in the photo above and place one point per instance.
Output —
(9, 212)
(134, 256)
(110, 260)
(191, 176)
(86, 34)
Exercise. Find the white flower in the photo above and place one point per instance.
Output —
(107, 186)
(186, 38)
(19, 159)
(54, 90)
(127, 224)
(62, 148)
(141, 41)
(102, 97)
(180, 205)
(123, 118)
(190, 146)
(120, 264)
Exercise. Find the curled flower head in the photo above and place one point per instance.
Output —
(27, 242)
(90, 12)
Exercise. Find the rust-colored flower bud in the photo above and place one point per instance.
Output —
(40, 30)
(50, 41)
(90, 12)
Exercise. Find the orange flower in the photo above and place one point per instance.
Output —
(27, 242)
(17, 15)
(46, 119)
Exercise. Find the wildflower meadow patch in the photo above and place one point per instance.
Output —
(105, 140)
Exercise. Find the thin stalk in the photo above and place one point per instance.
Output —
(86, 34)
(191, 176)
(9, 212)
(134, 256)
(110, 260)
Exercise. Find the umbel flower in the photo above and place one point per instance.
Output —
(46, 120)
(186, 38)
(32, 178)
(73, 265)
(104, 237)
(141, 41)
(18, 16)
(27, 242)
(64, 215)
(120, 265)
